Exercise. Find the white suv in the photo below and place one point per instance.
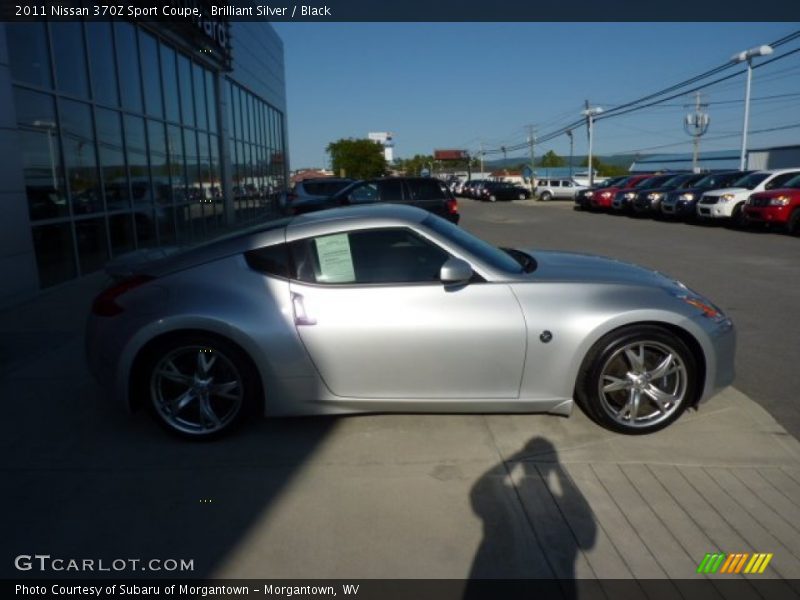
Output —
(728, 203)
(547, 189)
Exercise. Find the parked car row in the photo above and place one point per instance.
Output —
(428, 193)
(741, 198)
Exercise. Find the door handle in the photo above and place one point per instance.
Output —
(300, 316)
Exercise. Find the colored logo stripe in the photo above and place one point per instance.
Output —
(720, 562)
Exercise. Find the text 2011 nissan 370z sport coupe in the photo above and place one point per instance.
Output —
(393, 309)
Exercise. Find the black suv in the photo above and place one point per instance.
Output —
(424, 192)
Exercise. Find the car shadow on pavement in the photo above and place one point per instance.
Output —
(85, 481)
(536, 523)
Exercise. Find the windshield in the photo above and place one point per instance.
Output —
(750, 181)
(794, 182)
(718, 179)
(653, 182)
(614, 182)
(484, 251)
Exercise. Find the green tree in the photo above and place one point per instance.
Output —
(358, 158)
(603, 169)
(551, 159)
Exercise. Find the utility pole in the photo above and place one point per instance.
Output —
(532, 147)
(569, 133)
(481, 159)
(590, 114)
(696, 125)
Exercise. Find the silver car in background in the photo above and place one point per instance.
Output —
(393, 309)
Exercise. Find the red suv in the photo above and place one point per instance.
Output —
(779, 207)
(603, 198)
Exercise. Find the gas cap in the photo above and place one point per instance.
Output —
(545, 336)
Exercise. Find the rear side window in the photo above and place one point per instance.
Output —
(426, 189)
(324, 188)
(391, 190)
(270, 260)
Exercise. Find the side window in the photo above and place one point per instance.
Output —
(391, 190)
(270, 260)
(425, 189)
(373, 256)
(779, 181)
(364, 193)
(567, 184)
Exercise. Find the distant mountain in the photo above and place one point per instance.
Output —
(618, 160)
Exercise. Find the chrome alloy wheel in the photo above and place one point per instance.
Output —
(196, 390)
(642, 384)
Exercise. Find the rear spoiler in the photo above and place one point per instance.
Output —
(133, 263)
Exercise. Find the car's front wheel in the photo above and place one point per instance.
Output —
(492, 198)
(546, 197)
(199, 386)
(522, 196)
(637, 379)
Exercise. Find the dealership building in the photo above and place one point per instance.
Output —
(119, 136)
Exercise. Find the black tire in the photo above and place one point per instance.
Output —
(738, 218)
(793, 226)
(205, 371)
(606, 361)
(546, 196)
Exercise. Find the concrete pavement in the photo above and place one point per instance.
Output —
(384, 496)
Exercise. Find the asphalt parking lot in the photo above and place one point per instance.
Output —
(426, 496)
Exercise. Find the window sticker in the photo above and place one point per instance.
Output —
(335, 259)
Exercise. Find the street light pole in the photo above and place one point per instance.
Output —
(748, 56)
(590, 114)
(569, 133)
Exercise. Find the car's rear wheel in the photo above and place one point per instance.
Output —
(199, 386)
(546, 197)
(492, 198)
(522, 196)
(637, 379)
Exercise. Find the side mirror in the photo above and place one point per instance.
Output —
(455, 271)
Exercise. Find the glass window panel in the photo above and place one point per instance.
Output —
(41, 156)
(204, 166)
(136, 148)
(192, 171)
(177, 164)
(79, 157)
(200, 96)
(151, 74)
(146, 226)
(211, 102)
(170, 76)
(183, 223)
(112, 159)
(241, 129)
(120, 228)
(30, 59)
(128, 65)
(231, 113)
(90, 235)
(159, 162)
(71, 76)
(216, 181)
(185, 85)
(165, 217)
(101, 62)
(55, 255)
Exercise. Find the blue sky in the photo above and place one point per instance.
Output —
(455, 85)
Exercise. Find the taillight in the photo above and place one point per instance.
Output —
(452, 206)
(105, 305)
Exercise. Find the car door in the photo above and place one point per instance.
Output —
(377, 322)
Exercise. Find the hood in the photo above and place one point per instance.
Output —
(573, 266)
(730, 190)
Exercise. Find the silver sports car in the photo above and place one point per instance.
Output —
(390, 308)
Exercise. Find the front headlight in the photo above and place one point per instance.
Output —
(727, 197)
(688, 197)
(654, 196)
(708, 309)
(589, 194)
(605, 195)
(630, 195)
(779, 201)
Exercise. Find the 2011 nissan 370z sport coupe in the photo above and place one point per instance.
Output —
(393, 309)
